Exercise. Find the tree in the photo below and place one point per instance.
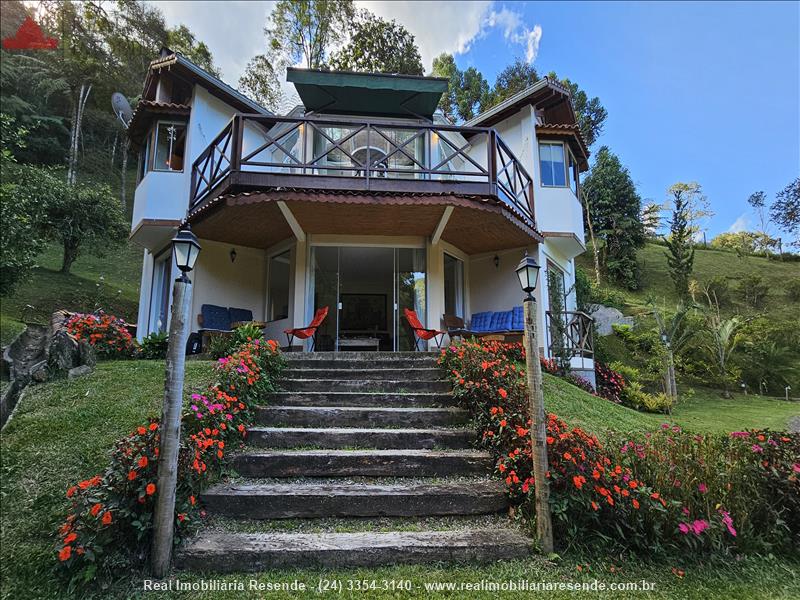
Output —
(305, 30)
(698, 206)
(785, 211)
(590, 112)
(467, 91)
(722, 338)
(680, 255)
(758, 202)
(81, 213)
(516, 77)
(651, 218)
(674, 335)
(181, 39)
(744, 242)
(378, 46)
(260, 82)
(614, 210)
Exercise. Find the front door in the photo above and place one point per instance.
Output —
(366, 290)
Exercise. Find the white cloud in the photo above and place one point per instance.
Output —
(740, 224)
(515, 31)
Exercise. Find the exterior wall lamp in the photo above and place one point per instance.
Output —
(233, 255)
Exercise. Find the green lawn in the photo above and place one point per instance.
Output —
(63, 431)
(655, 279)
(47, 289)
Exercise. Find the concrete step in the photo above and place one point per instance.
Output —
(366, 463)
(380, 399)
(366, 372)
(236, 552)
(354, 416)
(426, 362)
(310, 500)
(365, 356)
(300, 437)
(362, 385)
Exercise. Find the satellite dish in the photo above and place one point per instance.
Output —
(122, 108)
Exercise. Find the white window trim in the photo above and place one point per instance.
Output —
(566, 164)
(154, 151)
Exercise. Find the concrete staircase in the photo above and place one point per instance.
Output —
(359, 437)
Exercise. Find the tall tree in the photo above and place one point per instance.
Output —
(591, 114)
(467, 91)
(378, 46)
(651, 218)
(181, 39)
(614, 210)
(306, 30)
(260, 82)
(516, 77)
(785, 211)
(680, 255)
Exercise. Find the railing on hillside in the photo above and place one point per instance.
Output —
(570, 334)
(343, 154)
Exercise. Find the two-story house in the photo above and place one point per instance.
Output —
(364, 199)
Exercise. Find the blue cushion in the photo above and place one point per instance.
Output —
(240, 314)
(215, 317)
(501, 321)
(517, 319)
(480, 321)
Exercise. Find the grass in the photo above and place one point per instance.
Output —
(47, 289)
(61, 433)
(708, 263)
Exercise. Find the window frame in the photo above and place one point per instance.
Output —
(268, 308)
(565, 162)
(462, 286)
(153, 145)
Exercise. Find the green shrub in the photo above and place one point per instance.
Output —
(246, 333)
(793, 290)
(753, 290)
(154, 346)
(217, 344)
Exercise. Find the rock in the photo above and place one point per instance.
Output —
(39, 372)
(86, 355)
(80, 371)
(64, 353)
(607, 316)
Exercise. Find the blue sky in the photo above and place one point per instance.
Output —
(706, 92)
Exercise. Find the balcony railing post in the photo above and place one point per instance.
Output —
(492, 157)
(236, 143)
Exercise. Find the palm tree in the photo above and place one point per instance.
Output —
(723, 337)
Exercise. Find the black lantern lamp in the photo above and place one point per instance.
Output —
(186, 248)
(528, 273)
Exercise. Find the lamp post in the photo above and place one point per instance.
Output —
(185, 248)
(528, 273)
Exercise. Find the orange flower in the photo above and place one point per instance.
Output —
(106, 519)
(96, 509)
(503, 393)
(594, 505)
(143, 462)
(153, 426)
(635, 503)
(150, 489)
(131, 475)
(141, 430)
(192, 500)
(71, 538)
(71, 491)
(65, 553)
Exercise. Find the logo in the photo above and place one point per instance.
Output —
(29, 36)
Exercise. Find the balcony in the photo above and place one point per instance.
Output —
(570, 335)
(257, 152)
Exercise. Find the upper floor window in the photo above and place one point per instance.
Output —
(170, 145)
(552, 164)
(573, 173)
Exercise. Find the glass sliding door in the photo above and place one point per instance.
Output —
(411, 293)
(366, 290)
(453, 286)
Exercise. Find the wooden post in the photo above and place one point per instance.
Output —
(544, 527)
(170, 430)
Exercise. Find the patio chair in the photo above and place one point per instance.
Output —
(420, 332)
(309, 331)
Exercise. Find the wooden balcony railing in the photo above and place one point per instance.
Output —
(570, 334)
(257, 151)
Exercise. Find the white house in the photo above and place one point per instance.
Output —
(364, 200)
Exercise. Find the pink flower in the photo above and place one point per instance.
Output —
(726, 519)
(699, 526)
(702, 488)
(684, 528)
(796, 467)
(740, 434)
(756, 448)
(685, 511)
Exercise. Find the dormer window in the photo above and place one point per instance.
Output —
(170, 145)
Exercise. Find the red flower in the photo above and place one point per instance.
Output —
(131, 475)
(96, 509)
(71, 538)
(65, 553)
(106, 519)
(143, 462)
(150, 489)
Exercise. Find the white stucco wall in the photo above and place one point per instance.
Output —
(217, 280)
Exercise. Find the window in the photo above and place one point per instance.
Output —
(170, 145)
(573, 174)
(453, 286)
(278, 290)
(552, 166)
(159, 293)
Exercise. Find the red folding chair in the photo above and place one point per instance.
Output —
(310, 331)
(420, 332)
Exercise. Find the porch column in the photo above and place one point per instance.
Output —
(435, 286)
(299, 286)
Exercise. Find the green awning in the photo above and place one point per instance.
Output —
(372, 94)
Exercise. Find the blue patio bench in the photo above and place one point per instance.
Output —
(507, 325)
(215, 319)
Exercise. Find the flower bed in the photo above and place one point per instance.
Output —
(624, 493)
(106, 334)
(114, 510)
